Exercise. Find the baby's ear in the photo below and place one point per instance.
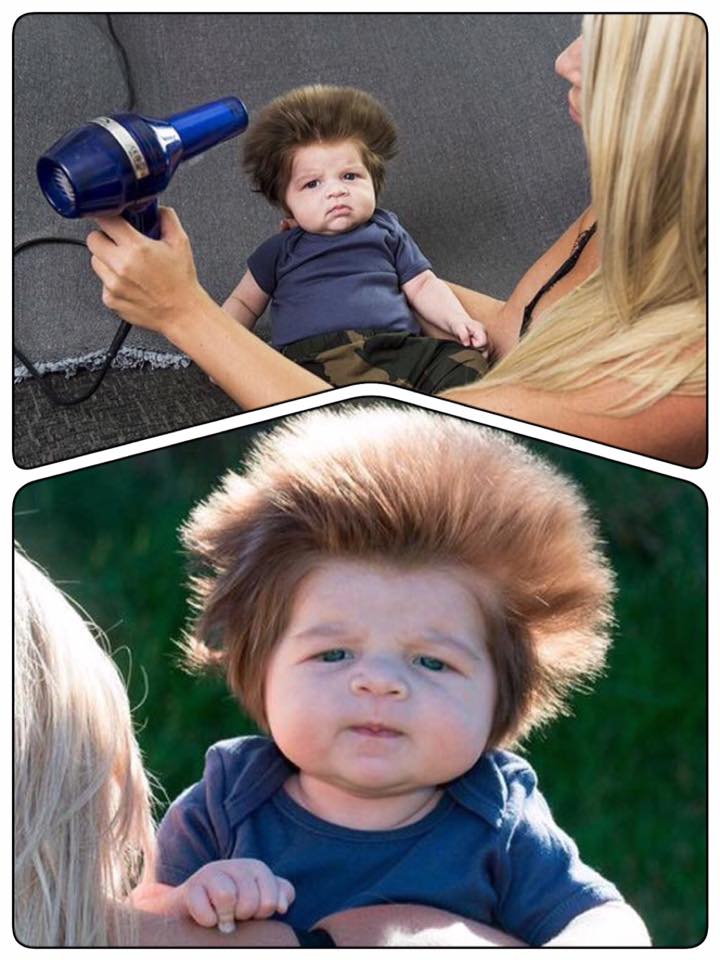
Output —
(287, 223)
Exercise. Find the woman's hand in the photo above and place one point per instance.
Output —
(150, 283)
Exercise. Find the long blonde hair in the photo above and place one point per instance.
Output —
(641, 317)
(82, 824)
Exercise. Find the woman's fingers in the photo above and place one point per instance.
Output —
(119, 230)
(170, 226)
(102, 270)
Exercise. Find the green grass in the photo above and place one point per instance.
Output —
(625, 775)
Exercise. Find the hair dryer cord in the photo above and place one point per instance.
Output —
(122, 332)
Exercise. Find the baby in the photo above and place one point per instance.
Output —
(345, 280)
(396, 597)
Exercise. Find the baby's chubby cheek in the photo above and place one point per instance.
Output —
(301, 723)
(455, 745)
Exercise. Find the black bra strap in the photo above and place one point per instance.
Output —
(564, 269)
(314, 938)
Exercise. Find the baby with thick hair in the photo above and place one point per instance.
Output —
(397, 597)
(344, 281)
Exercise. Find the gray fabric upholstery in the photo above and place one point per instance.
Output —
(490, 169)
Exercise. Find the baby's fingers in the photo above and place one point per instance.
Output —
(223, 894)
(478, 335)
(286, 894)
(274, 894)
(199, 906)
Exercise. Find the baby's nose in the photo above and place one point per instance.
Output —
(337, 188)
(379, 681)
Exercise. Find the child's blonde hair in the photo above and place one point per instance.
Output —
(641, 318)
(409, 488)
(316, 114)
(82, 824)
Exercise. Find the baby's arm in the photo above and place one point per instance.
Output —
(436, 302)
(612, 924)
(247, 301)
(220, 893)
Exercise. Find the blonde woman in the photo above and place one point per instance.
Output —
(604, 337)
(82, 824)
(83, 834)
(614, 350)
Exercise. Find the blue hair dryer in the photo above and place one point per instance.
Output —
(119, 164)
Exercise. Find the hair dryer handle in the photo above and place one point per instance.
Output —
(146, 219)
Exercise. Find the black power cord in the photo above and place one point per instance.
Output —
(118, 340)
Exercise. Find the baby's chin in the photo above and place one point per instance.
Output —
(371, 780)
(342, 224)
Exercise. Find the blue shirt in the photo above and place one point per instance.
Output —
(489, 850)
(349, 281)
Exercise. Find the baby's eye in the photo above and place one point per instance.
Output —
(431, 663)
(351, 176)
(333, 656)
(311, 184)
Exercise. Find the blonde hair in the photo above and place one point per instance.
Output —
(408, 488)
(316, 114)
(82, 825)
(641, 317)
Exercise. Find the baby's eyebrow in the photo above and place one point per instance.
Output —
(440, 639)
(334, 629)
(306, 175)
(326, 629)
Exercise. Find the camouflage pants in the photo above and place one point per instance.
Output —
(375, 356)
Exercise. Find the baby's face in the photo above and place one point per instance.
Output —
(382, 682)
(330, 189)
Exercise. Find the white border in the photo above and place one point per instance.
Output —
(706, 478)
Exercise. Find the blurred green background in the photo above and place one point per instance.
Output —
(625, 775)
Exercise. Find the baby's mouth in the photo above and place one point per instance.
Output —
(375, 730)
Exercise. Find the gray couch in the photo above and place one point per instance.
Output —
(490, 171)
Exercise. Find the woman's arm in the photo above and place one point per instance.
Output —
(385, 925)
(153, 283)
(411, 925)
(673, 428)
(610, 925)
(169, 931)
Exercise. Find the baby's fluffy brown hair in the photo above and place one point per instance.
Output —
(405, 487)
(315, 114)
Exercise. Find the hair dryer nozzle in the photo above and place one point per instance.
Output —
(57, 187)
(119, 164)
(204, 126)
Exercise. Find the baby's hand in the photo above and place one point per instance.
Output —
(228, 890)
(471, 333)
